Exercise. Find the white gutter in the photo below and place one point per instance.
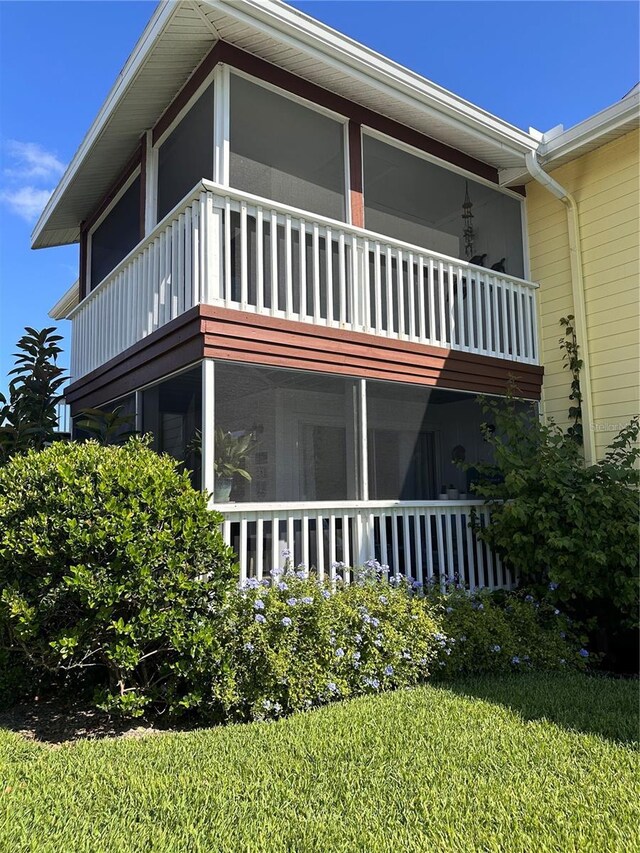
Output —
(577, 288)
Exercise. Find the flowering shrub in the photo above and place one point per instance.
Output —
(292, 643)
(496, 632)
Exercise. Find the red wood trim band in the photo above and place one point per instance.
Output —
(246, 337)
(345, 357)
(190, 352)
(174, 334)
(308, 330)
(355, 174)
(228, 335)
(299, 360)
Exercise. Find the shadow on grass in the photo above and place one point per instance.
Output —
(57, 722)
(595, 705)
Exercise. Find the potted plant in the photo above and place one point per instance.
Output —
(231, 452)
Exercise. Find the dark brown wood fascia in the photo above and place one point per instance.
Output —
(207, 331)
(358, 114)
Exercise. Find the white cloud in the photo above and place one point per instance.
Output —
(26, 202)
(28, 177)
(31, 161)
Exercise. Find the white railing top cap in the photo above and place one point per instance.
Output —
(338, 225)
(286, 210)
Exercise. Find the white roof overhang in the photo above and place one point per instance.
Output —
(66, 303)
(599, 129)
(560, 146)
(178, 37)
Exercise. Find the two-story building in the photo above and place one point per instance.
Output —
(287, 236)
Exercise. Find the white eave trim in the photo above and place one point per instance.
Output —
(327, 43)
(297, 29)
(619, 116)
(67, 302)
(135, 61)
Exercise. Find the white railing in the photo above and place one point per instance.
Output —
(225, 247)
(428, 541)
(63, 418)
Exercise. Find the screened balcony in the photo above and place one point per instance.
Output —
(229, 248)
(274, 236)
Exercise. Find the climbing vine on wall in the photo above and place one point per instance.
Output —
(573, 362)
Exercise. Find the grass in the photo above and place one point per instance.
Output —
(519, 764)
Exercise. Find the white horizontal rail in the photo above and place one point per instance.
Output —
(428, 541)
(225, 247)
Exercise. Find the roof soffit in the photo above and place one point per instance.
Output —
(179, 36)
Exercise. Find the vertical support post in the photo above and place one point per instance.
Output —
(221, 81)
(356, 197)
(150, 162)
(138, 411)
(84, 283)
(363, 537)
(213, 289)
(363, 443)
(208, 426)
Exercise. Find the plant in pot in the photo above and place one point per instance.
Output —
(231, 452)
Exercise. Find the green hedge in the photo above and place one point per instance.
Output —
(110, 565)
(500, 632)
(114, 580)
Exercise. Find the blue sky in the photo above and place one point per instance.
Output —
(532, 63)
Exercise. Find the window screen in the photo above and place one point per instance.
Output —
(117, 235)
(186, 156)
(285, 151)
(172, 413)
(116, 430)
(420, 202)
(415, 436)
(304, 429)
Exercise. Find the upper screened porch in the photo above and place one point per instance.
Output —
(227, 248)
(253, 200)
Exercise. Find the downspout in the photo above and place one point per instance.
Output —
(577, 288)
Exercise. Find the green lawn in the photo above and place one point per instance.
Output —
(522, 764)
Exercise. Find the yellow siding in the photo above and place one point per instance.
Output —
(606, 186)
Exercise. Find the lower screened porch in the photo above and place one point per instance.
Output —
(333, 470)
